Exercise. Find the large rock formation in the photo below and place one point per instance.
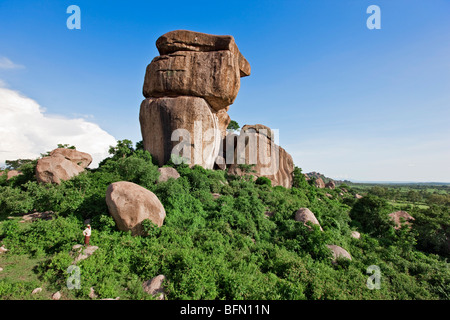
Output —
(82, 159)
(180, 124)
(190, 86)
(130, 204)
(62, 164)
(256, 145)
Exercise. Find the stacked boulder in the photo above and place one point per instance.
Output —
(61, 164)
(188, 90)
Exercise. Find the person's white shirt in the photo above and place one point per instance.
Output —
(87, 232)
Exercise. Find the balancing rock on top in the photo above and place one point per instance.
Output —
(196, 78)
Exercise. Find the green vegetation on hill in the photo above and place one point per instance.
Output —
(224, 248)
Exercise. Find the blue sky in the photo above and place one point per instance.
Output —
(349, 102)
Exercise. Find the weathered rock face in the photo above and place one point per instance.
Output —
(319, 183)
(130, 204)
(184, 40)
(62, 164)
(179, 118)
(155, 287)
(304, 215)
(82, 159)
(55, 169)
(12, 173)
(224, 120)
(338, 252)
(213, 76)
(166, 173)
(397, 216)
(330, 185)
(255, 145)
(196, 78)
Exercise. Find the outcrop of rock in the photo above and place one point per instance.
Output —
(255, 145)
(82, 159)
(62, 164)
(86, 253)
(194, 80)
(184, 40)
(174, 124)
(319, 183)
(155, 287)
(397, 217)
(12, 173)
(358, 196)
(47, 215)
(166, 173)
(304, 215)
(330, 185)
(338, 252)
(130, 204)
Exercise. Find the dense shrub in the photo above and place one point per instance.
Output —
(243, 244)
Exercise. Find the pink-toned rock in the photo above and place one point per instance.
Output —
(155, 287)
(56, 168)
(319, 183)
(255, 146)
(185, 40)
(338, 252)
(180, 125)
(12, 173)
(330, 185)
(130, 204)
(356, 234)
(82, 159)
(56, 296)
(304, 215)
(165, 173)
(37, 290)
(213, 76)
(397, 216)
(358, 196)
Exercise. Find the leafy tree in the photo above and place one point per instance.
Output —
(16, 164)
(233, 125)
(123, 149)
(299, 180)
(372, 215)
(263, 181)
(66, 146)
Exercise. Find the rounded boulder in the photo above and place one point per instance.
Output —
(130, 204)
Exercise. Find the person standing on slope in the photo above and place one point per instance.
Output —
(87, 235)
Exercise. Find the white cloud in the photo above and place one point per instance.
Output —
(5, 63)
(26, 131)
